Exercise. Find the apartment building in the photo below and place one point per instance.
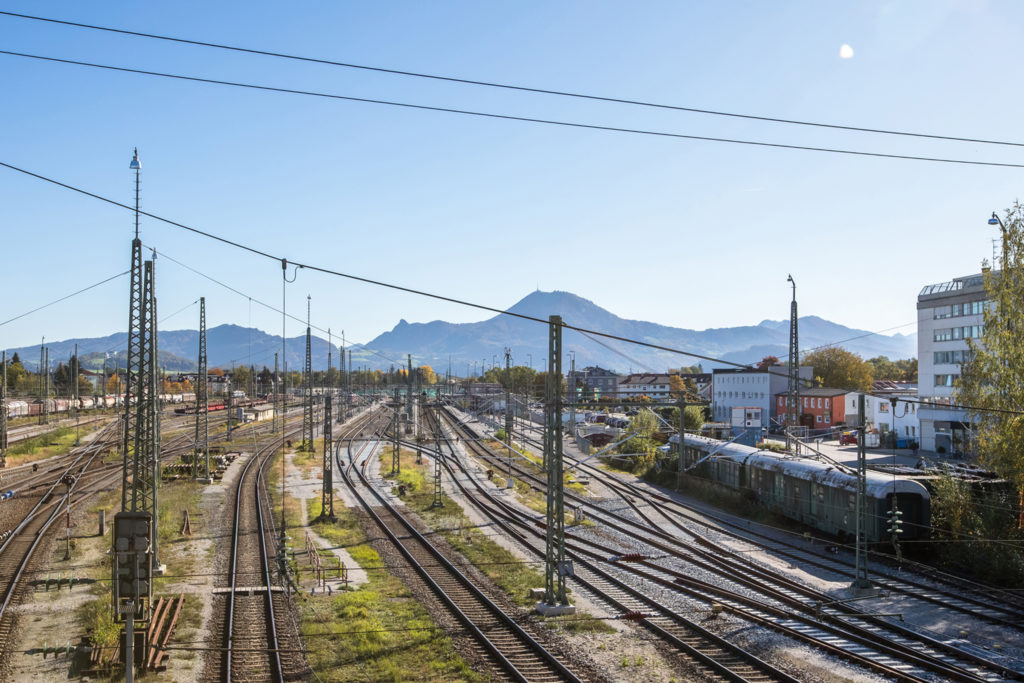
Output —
(948, 314)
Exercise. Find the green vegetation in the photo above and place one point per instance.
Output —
(838, 368)
(57, 442)
(379, 632)
(966, 519)
(500, 565)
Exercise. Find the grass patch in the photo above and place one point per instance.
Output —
(57, 442)
(390, 635)
(174, 498)
(500, 565)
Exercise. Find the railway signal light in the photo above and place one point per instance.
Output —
(132, 565)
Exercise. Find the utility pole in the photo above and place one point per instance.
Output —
(438, 501)
(202, 436)
(278, 415)
(307, 398)
(75, 400)
(860, 579)
(396, 463)
(3, 411)
(571, 391)
(508, 413)
(44, 384)
(134, 344)
(682, 433)
(556, 568)
(327, 496)
(146, 461)
(793, 388)
(408, 388)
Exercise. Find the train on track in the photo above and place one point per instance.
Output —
(219, 404)
(818, 494)
(54, 406)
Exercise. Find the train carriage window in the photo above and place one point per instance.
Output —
(821, 493)
(851, 502)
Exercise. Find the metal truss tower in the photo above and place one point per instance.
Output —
(3, 411)
(408, 388)
(202, 437)
(438, 501)
(396, 422)
(327, 496)
(555, 566)
(278, 416)
(860, 578)
(793, 388)
(134, 345)
(44, 383)
(146, 452)
(307, 392)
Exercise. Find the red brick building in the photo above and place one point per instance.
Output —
(819, 408)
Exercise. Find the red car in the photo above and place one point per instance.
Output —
(848, 439)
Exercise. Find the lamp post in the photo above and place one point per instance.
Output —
(996, 220)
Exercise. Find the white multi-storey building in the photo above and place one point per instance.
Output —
(948, 314)
(749, 388)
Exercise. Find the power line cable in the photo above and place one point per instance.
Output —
(507, 86)
(510, 117)
(441, 297)
(268, 306)
(63, 298)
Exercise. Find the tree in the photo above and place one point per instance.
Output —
(217, 371)
(840, 369)
(114, 385)
(768, 362)
(644, 423)
(427, 374)
(993, 379)
(898, 371)
(18, 378)
(694, 418)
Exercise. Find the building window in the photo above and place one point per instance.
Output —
(943, 334)
(826, 403)
(819, 418)
(828, 419)
(819, 402)
(945, 380)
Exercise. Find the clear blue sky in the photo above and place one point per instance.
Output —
(684, 233)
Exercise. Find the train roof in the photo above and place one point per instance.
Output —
(877, 485)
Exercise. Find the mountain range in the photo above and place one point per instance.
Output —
(466, 345)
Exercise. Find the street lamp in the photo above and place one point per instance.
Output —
(996, 220)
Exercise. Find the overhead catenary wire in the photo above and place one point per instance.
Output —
(63, 298)
(439, 297)
(509, 86)
(270, 307)
(511, 117)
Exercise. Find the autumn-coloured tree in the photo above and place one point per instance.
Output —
(838, 368)
(768, 362)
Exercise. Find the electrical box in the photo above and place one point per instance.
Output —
(132, 565)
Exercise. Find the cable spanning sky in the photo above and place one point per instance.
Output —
(684, 232)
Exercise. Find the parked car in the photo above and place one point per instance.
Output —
(848, 438)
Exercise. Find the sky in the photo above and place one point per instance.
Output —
(687, 233)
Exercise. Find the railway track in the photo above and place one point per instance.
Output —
(257, 642)
(893, 646)
(21, 543)
(509, 647)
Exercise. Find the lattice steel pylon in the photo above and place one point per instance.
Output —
(396, 423)
(438, 501)
(555, 566)
(307, 390)
(278, 401)
(202, 436)
(793, 387)
(3, 411)
(134, 352)
(327, 496)
(146, 453)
